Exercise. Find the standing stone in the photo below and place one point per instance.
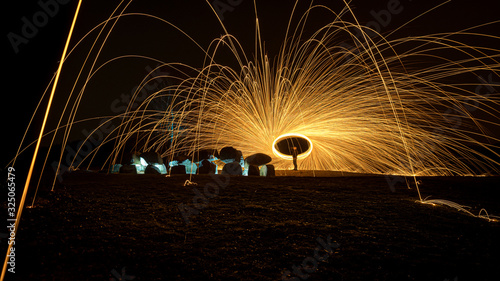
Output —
(178, 170)
(151, 170)
(228, 153)
(270, 171)
(207, 167)
(253, 170)
(233, 168)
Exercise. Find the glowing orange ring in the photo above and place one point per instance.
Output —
(289, 157)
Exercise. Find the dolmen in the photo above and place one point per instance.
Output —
(257, 165)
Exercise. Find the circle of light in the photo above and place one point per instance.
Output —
(289, 157)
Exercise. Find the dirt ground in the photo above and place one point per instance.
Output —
(150, 227)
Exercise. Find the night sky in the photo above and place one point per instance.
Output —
(30, 64)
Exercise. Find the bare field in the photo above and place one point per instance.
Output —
(147, 227)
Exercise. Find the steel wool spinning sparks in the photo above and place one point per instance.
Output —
(366, 109)
(359, 102)
(303, 152)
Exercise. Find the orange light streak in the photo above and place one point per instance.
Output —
(32, 165)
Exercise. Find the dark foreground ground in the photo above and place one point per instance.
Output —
(129, 227)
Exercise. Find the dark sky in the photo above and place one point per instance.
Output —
(30, 64)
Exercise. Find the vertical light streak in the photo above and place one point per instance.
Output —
(32, 165)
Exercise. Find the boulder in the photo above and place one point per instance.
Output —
(152, 157)
(178, 170)
(115, 168)
(190, 166)
(130, 158)
(233, 168)
(270, 172)
(228, 153)
(128, 169)
(258, 159)
(152, 170)
(207, 167)
(253, 170)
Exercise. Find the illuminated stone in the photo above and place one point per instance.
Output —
(152, 170)
(130, 158)
(263, 171)
(152, 157)
(115, 168)
(190, 166)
